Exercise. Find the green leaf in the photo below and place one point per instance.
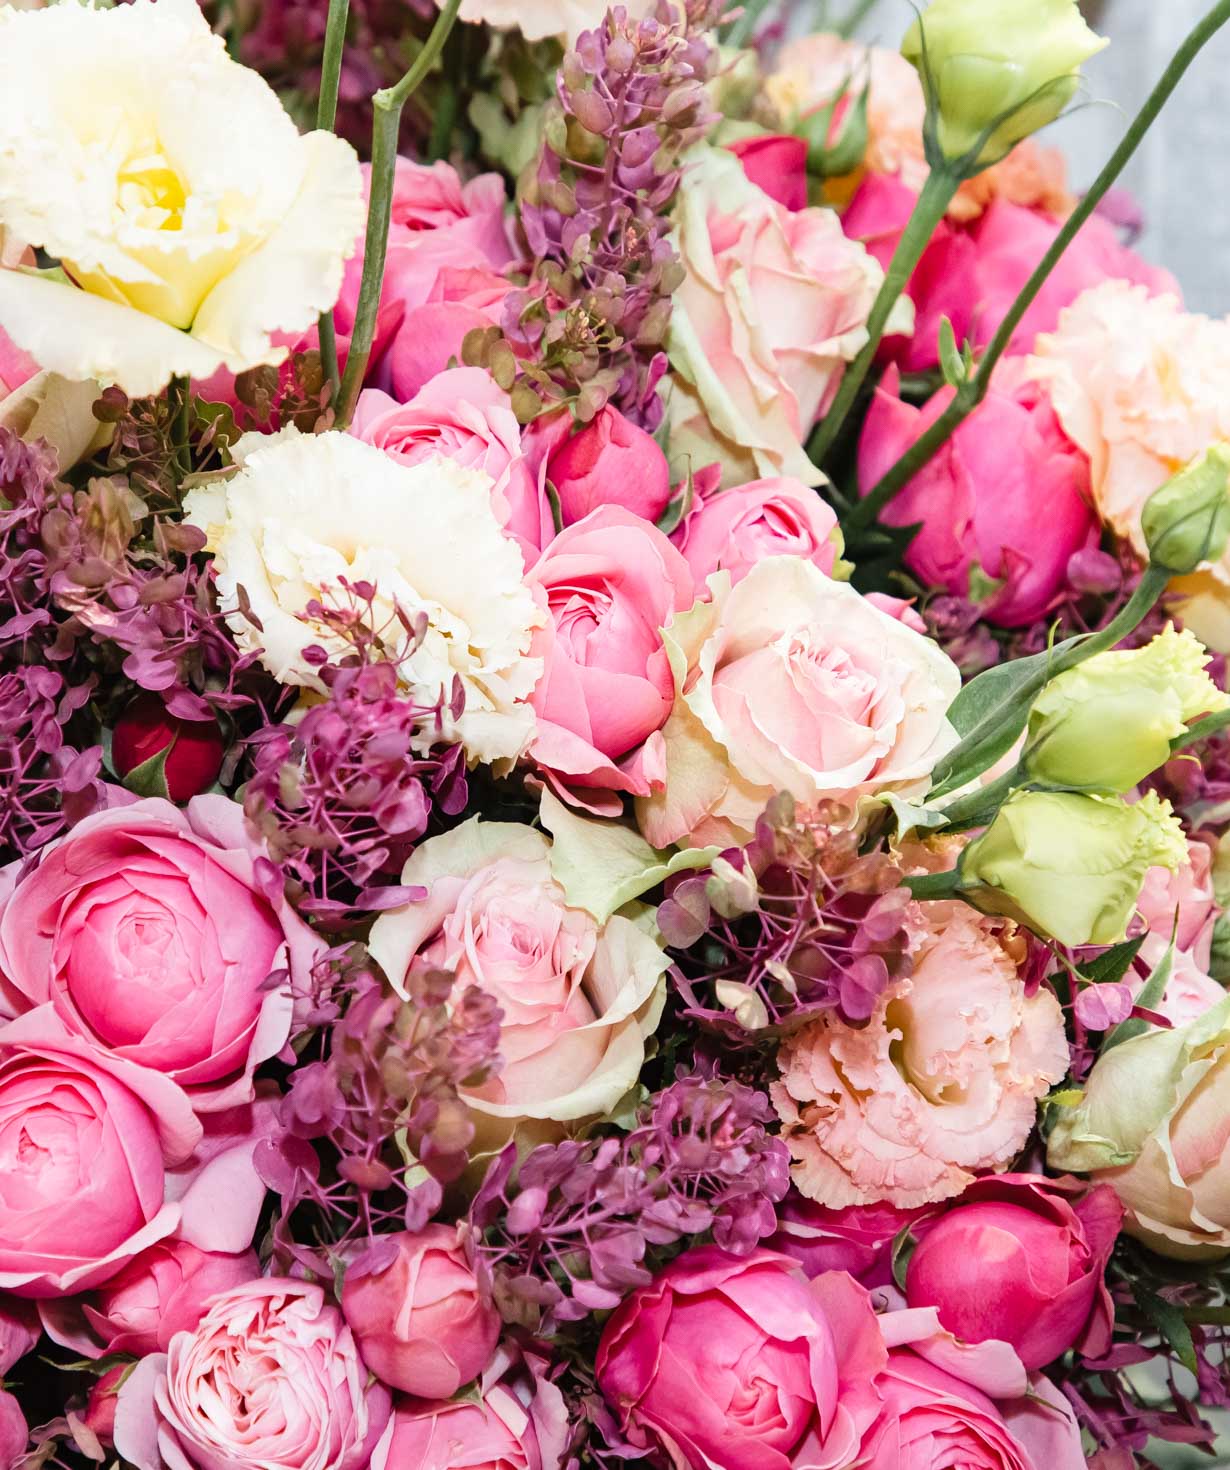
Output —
(1168, 1319)
(1109, 968)
(1148, 999)
(679, 507)
(149, 778)
(951, 361)
(905, 1243)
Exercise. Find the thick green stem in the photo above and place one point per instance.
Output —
(978, 807)
(930, 208)
(970, 395)
(1201, 730)
(326, 116)
(386, 128)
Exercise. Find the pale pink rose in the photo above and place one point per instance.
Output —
(935, 1089)
(792, 682)
(786, 1364)
(976, 503)
(465, 416)
(270, 1376)
(735, 529)
(1180, 906)
(421, 1321)
(578, 998)
(773, 305)
(155, 933)
(610, 583)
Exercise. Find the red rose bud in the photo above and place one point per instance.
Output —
(194, 747)
(610, 462)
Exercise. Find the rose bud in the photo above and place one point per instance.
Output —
(99, 1416)
(194, 747)
(418, 1315)
(610, 462)
(1022, 1259)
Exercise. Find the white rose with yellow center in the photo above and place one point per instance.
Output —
(191, 220)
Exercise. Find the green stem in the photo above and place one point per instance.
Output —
(861, 10)
(930, 208)
(1207, 1316)
(740, 31)
(978, 807)
(1201, 730)
(971, 394)
(386, 128)
(326, 117)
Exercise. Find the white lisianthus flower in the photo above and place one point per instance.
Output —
(191, 219)
(306, 511)
(538, 19)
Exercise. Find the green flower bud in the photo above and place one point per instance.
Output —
(1108, 723)
(1071, 867)
(995, 71)
(1187, 521)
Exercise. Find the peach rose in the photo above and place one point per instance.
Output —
(942, 1083)
(792, 682)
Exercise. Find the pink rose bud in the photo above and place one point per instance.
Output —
(610, 462)
(420, 1320)
(1022, 1259)
(146, 729)
(99, 1414)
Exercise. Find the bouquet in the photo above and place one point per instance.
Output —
(615, 772)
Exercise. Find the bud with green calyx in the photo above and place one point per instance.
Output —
(836, 134)
(1187, 522)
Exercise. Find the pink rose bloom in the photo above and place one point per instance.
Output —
(518, 1422)
(976, 503)
(19, 1331)
(463, 415)
(16, 367)
(14, 1432)
(610, 583)
(784, 1365)
(776, 163)
(610, 461)
(417, 1313)
(857, 1240)
(153, 933)
(269, 1376)
(1022, 1259)
(1185, 896)
(933, 1090)
(162, 1291)
(735, 529)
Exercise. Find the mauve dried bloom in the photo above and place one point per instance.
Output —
(584, 1223)
(795, 924)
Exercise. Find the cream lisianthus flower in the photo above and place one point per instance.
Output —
(306, 511)
(538, 19)
(191, 219)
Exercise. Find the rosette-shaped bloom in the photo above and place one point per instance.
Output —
(579, 999)
(306, 512)
(940, 1085)
(193, 222)
(792, 682)
(153, 934)
(269, 1377)
(735, 529)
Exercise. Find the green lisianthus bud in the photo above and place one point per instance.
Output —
(1187, 521)
(1069, 866)
(995, 71)
(1108, 723)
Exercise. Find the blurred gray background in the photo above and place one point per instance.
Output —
(1181, 175)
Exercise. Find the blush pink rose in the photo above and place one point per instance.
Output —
(976, 503)
(417, 1313)
(610, 461)
(735, 529)
(786, 1364)
(776, 163)
(1181, 904)
(857, 1240)
(610, 583)
(1022, 1259)
(160, 935)
(269, 1376)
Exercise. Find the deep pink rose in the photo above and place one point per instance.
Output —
(14, 1432)
(611, 582)
(100, 1405)
(16, 367)
(417, 1313)
(518, 1422)
(270, 1376)
(195, 748)
(735, 529)
(737, 1362)
(611, 461)
(978, 501)
(155, 933)
(857, 1239)
(162, 1292)
(776, 163)
(1022, 1259)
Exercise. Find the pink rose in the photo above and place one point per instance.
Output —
(857, 1239)
(735, 529)
(977, 502)
(16, 367)
(162, 1291)
(1022, 1259)
(269, 1376)
(100, 1405)
(155, 933)
(609, 462)
(776, 163)
(19, 1331)
(611, 582)
(417, 1313)
(783, 1366)
(1185, 896)
(517, 1422)
(14, 1432)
